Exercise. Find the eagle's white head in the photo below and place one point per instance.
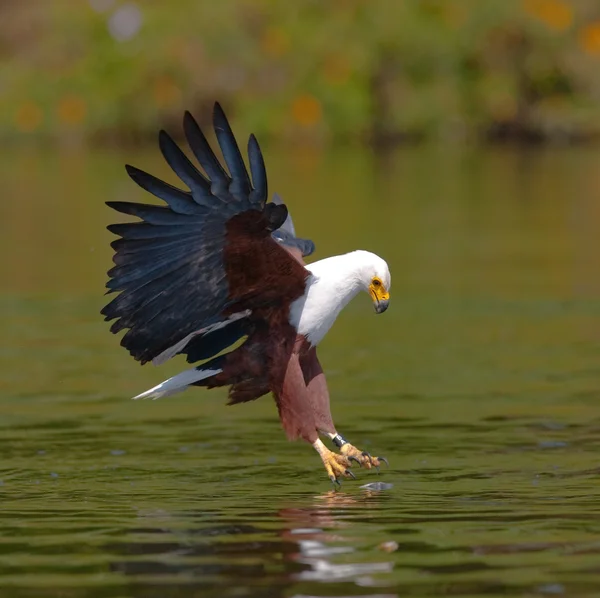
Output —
(374, 277)
(334, 281)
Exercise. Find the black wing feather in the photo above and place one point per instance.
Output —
(178, 200)
(142, 230)
(240, 184)
(211, 343)
(182, 167)
(219, 179)
(259, 173)
(143, 248)
(122, 275)
(159, 215)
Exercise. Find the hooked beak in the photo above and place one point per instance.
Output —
(380, 296)
(381, 305)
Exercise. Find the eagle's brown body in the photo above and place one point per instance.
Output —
(274, 358)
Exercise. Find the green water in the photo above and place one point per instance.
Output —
(480, 385)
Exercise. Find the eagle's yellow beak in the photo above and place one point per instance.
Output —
(380, 296)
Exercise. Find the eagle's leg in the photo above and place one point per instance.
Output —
(300, 421)
(318, 395)
(352, 453)
(336, 466)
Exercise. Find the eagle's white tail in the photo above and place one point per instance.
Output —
(178, 383)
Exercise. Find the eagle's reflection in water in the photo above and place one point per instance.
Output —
(254, 552)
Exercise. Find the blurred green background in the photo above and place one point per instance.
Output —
(383, 70)
(479, 384)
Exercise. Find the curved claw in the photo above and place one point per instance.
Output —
(353, 458)
(384, 460)
(335, 481)
(367, 455)
(350, 474)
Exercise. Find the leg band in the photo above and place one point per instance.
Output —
(339, 440)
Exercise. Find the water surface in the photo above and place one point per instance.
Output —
(479, 384)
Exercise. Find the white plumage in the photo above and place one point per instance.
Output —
(177, 383)
(333, 282)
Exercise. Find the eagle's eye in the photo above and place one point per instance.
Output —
(376, 282)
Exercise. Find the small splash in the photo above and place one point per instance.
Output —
(378, 486)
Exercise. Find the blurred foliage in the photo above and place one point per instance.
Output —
(348, 69)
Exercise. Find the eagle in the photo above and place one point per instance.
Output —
(217, 274)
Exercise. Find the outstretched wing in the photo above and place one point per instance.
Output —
(191, 273)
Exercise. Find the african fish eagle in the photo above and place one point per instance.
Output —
(218, 264)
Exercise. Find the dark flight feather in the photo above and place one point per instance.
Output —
(181, 166)
(259, 173)
(179, 201)
(141, 230)
(141, 247)
(209, 344)
(219, 180)
(139, 271)
(240, 181)
(151, 214)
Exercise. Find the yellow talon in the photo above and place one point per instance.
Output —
(361, 457)
(336, 466)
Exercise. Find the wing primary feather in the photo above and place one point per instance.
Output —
(168, 285)
(240, 185)
(212, 343)
(178, 200)
(122, 275)
(181, 166)
(136, 309)
(124, 248)
(143, 230)
(259, 172)
(219, 179)
(137, 280)
(159, 215)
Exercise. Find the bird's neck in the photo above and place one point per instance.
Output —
(339, 277)
(333, 283)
